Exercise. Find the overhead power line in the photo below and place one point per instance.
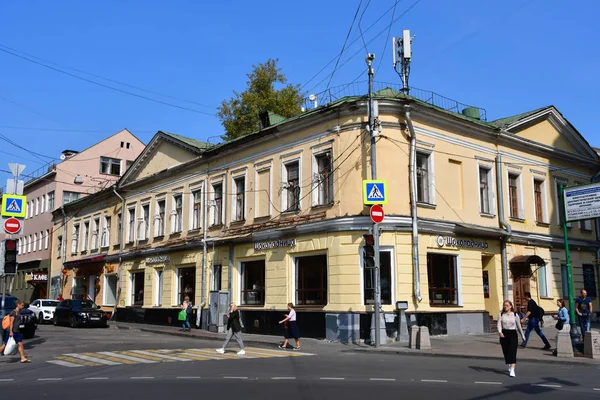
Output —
(362, 35)
(103, 85)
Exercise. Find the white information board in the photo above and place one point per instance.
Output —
(582, 202)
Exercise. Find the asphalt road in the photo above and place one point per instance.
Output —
(155, 366)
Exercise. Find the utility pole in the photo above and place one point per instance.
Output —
(373, 134)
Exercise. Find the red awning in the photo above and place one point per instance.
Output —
(84, 261)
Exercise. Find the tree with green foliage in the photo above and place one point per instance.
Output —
(240, 114)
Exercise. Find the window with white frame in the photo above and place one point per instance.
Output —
(110, 290)
(29, 244)
(41, 239)
(119, 228)
(95, 233)
(69, 196)
(217, 204)
(26, 211)
(46, 239)
(110, 166)
(585, 224)
(43, 204)
(557, 182)
(486, 190)
(159, 219)
(35, 241)
(177, 214)
(311, 280)
(322, 178)
(145, 228)
(131, 225)
(291, 195)
(239, 185)
(105, 238)
(86, 234)
(252, 279)
(32, 206)
(515, 199)
(543, 280)
(50, 201)
(37, 205)
(262, 194)
(443, 275)
(59, 246)
(539, 200)
(424, 170)
(196, 209)
(75, 239)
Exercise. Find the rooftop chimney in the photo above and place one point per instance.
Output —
(66, 154)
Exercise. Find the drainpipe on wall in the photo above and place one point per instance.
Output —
(413, 204)
(113, 316)
(204, 238)
(504, 224)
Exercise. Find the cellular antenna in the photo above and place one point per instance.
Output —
(402, 56)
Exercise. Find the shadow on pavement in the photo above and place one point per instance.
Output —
(485, 369)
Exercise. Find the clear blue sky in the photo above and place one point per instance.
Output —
(505, 56)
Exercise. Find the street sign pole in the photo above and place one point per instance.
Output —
(574, 333)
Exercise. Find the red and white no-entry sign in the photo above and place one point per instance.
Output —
(12, 225)
(377, 213)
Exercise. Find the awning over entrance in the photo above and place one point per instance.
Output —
(521, 265)
(84, 261)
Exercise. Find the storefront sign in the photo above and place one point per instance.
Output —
(36, 277)
(158, 259)
(274, 244)
(449, 241)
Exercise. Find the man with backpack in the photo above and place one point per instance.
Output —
(534, 313)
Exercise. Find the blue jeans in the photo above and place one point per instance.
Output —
(585, 324)
(533, 324)
(186, 323)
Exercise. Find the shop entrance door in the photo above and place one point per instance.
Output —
(521, 284)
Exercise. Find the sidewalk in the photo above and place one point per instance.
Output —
(485, 346)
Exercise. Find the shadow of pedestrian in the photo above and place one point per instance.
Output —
(32, 343)
(520, 388)
(493, 370)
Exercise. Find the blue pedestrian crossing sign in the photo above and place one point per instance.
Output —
(375, 192)
(14, 205)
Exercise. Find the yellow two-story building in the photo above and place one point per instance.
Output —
(277, 216)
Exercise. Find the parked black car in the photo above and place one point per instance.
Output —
(29, 321)
(78, 313)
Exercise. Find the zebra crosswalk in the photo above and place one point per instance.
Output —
(152, 356)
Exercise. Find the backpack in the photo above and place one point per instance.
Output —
(189, 308)
(6, 322)
(541, 313)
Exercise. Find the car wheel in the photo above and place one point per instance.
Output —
(73, 321)
(55, 320)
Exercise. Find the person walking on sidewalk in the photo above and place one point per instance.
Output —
(584, 310)
(234, 329)
(508, 326)
(15, 332)
(292, 329)
(562, 323)
(533, 322)
(187, 306)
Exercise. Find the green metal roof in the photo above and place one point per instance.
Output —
(504, 122)
(189, 141)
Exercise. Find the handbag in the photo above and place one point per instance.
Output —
(559, 325)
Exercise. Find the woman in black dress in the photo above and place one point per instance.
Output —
(292, 329)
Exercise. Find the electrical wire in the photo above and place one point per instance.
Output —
(362, 36)
(385, 43)
(105, 86)
(27, 128)
(33, 153)
(345, 41)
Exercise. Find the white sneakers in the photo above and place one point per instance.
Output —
(511, 372)
(242, 352)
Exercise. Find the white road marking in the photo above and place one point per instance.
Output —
(213, 355)
(93, 359)
(434, 380)
(148, 353)
(6, 380)
(126, 357)
(548, 385)
(95, 378)
(49, 379)
(488, 383)
(141, 377)
(383, 379)
(188, 377)
(65, 363)
(283, 378)
(596, 388)
(331, 379)
(235, 377)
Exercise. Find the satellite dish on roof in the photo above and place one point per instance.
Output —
(62, 157)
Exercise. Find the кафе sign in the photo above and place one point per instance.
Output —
(449, 241)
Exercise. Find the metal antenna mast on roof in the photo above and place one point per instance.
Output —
(402, 54)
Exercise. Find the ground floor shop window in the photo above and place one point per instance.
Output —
(442, 274)
(385, 277)
(137, 288)
(311, 280)
(253, 283)
(110, 290)
(187, 283)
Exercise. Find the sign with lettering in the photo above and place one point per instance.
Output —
(273, 244)
(582, 202)
(450, 241)
(36, 277)
(158, 259)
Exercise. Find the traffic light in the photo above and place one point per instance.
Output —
(9, 258)
(369, 251)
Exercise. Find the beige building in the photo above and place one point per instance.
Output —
(77, 175)
(277, 216)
